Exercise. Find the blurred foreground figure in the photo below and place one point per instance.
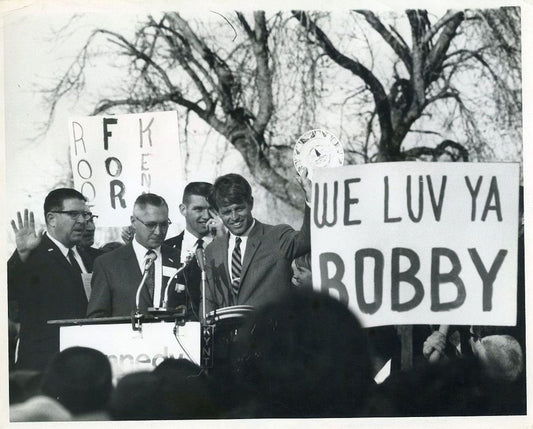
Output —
(79, 378)
(303, 355)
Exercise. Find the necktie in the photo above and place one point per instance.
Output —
(73, 261)
(200, 243)
(150, 279)
(236, 266)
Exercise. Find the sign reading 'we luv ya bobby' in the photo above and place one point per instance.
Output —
(115, 158)
(413, 242)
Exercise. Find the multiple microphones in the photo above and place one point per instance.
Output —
(148, 261)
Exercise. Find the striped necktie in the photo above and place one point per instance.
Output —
(150, 279)
(236, 266)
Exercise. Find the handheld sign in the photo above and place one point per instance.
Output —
(115, 158)
(418, 243)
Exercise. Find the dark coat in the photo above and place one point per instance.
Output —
(46, 287)
(191, 277)
(116, 276)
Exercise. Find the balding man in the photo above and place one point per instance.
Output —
(117, 274)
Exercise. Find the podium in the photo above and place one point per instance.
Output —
(132, 350)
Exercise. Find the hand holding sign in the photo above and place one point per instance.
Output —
(25, 236)
(306, 184)
(435, 344)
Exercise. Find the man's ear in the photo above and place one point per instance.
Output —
(132, 219)
(50, 219)
(251, 203)
(183, 209)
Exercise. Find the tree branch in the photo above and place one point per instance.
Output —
(400, 49)
(378, 92)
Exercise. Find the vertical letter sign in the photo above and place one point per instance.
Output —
(115, 158)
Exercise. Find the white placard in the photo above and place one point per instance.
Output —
(418, 243)
(130, 350)
(115, 158)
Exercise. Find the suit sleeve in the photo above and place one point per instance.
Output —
(100, 300)
(296, 243)
(15, 275)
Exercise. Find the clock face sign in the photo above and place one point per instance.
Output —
(317, 149)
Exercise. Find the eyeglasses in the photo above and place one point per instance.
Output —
(93, 218)
(153, 225)
(75, 214)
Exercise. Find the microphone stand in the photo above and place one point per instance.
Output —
(164, 310)
(137, 316)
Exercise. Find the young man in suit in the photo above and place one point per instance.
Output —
(117, 274)
(251, 265)
(45, 274)
(200, 227)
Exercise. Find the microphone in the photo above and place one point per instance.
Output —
(200, 258)
(148, 261)
(180, 269)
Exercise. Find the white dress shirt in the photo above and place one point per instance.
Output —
(189, 244)
(140, 253)
(64, 250)
(231, 246)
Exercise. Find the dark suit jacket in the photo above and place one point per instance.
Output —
(266, 268)
(191, 277)
(46, 287)
(89, 254)
(116, 276)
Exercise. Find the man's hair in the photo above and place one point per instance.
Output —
(230, 189)
(150, 199)
(80, 379)
(502, 357)
(54, 199)
(304, 261)
(203, 189)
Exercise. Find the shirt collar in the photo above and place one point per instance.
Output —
(64, 249)
(140, 250)
(189, 240)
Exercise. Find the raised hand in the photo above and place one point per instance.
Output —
(306, 184)
(127, 234)
(215, 225)
(26, 238)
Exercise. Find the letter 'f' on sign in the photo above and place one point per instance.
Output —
(108, 133)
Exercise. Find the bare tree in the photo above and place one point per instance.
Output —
(261, 81)
(425, 70)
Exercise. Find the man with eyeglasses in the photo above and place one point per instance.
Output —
(118, 273)
(45, 274)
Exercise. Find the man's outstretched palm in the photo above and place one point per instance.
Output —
(26, 237)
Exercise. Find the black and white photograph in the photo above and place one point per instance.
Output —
(229, 214)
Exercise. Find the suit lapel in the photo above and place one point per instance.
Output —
(53, 252)
(225, 245)
(170, 258)
(133, 276)
(252, 245)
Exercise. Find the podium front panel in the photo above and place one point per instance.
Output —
(130, 350)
